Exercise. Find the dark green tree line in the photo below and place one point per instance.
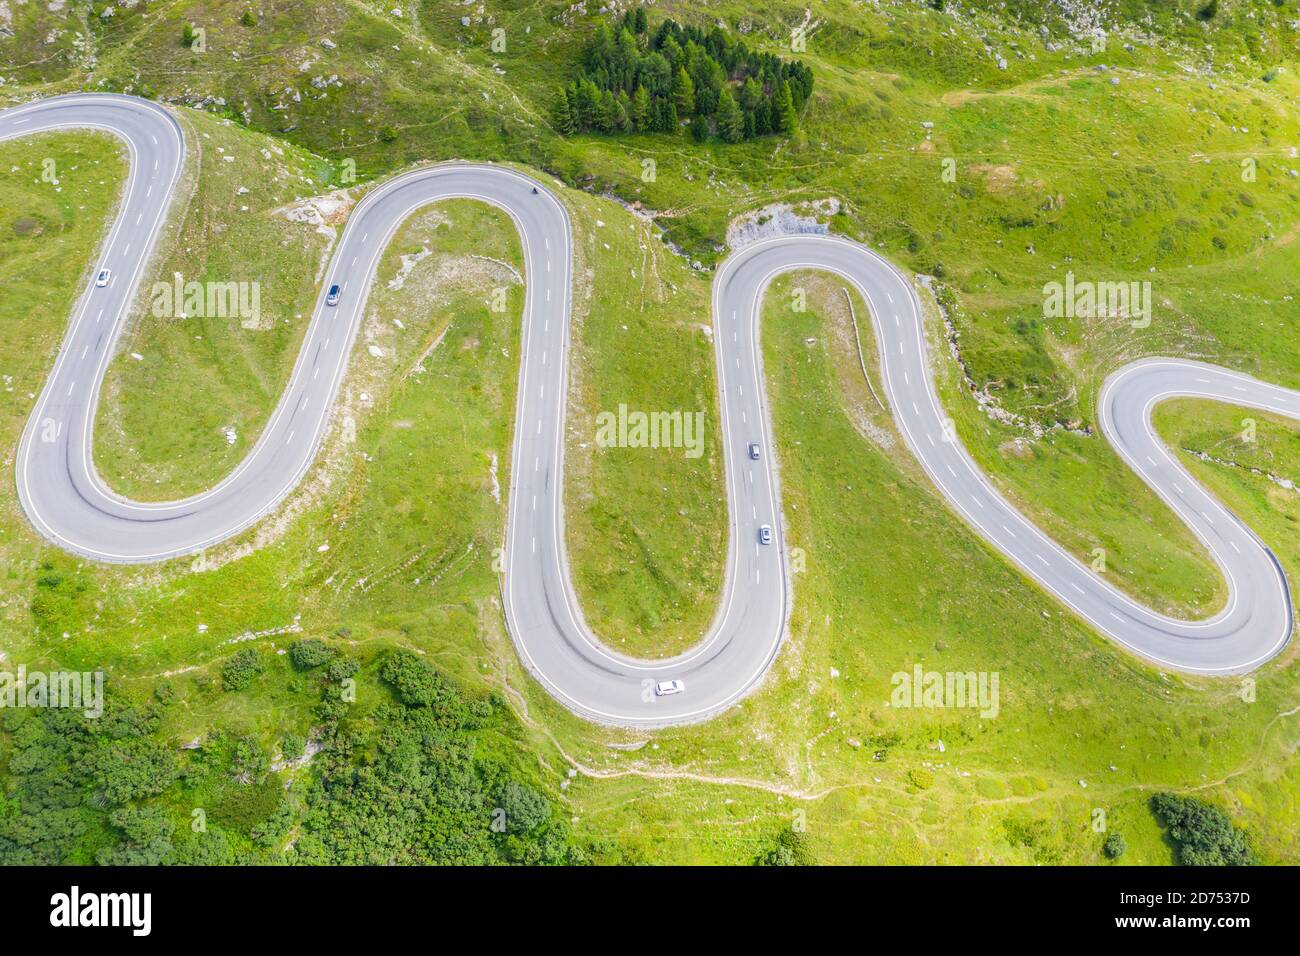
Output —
(633, 81)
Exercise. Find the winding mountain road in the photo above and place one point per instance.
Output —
(71, 505)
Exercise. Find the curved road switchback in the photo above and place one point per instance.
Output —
(71, 505)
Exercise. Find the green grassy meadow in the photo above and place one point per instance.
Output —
(1134, 171)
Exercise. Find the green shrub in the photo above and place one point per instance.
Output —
(248, 761)
(790, 848)
(309, 653)
(416, 683)
(238, 672)
(525, 808)
(293, 746)
(1204, 834)
(340, 669)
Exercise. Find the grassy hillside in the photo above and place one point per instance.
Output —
(1107, 141)
(1133, 171)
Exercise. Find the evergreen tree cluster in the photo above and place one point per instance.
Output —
(1204, 834)
(634, 81)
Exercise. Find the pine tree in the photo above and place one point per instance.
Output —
(671, 122)
(787, 120)
(640, 110)
(563, 116)
(583, 104)
(623, 112)
(605, 112)
(683, 93)
(731, 121)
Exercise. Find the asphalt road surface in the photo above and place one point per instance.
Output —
(71, 505)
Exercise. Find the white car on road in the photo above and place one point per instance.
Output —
(667, 687)
(101, 280)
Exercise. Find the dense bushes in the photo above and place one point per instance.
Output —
(68, 775)
(238, 672)
(416, 683)
(426, 775)
(1204, 834)
(631, 81)
(412, 784)
(309, 653)
(790, 848)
